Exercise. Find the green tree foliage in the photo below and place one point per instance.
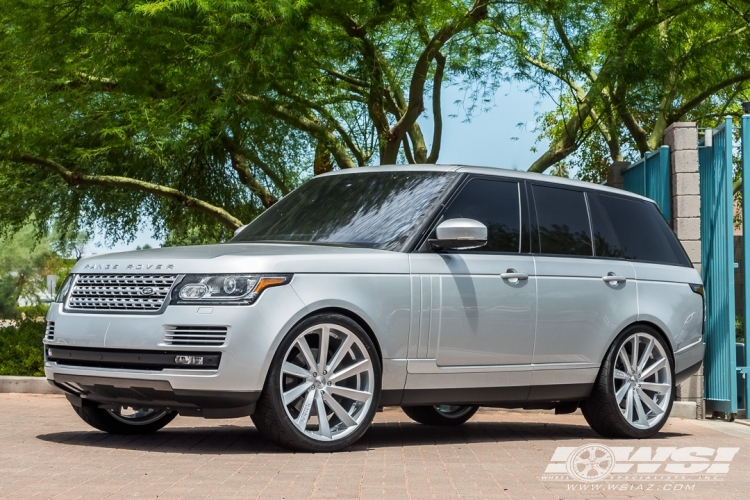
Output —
(194, 116)
(21, 347)
(25, 262)
(198, 115)
(622, 71)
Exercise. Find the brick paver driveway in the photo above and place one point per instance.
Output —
(46, 451)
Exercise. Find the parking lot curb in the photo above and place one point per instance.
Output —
(27, 385)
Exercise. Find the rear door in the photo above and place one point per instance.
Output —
(586, 289)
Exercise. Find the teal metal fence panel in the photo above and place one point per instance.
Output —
(717, 211)
(745, 165)
(650, 177)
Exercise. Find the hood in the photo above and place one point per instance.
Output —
(248, 258)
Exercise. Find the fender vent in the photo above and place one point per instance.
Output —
(206, 336)
(49, 333)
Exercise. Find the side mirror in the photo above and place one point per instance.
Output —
(459, 234)
(239, 229)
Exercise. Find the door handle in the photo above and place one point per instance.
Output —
(612, 278)
(512, 274)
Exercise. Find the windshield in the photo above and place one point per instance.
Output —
(372, 210)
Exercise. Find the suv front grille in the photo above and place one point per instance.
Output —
(120, 292)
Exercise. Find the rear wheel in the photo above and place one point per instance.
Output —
(323, 386)
(124, 419)
(444, 415)
(633, 394)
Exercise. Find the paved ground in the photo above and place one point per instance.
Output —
(46, 451)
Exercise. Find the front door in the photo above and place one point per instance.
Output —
(482, 301)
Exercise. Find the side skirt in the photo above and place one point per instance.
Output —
(504, 397)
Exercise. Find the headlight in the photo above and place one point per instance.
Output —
(224, 289)
(64, 289)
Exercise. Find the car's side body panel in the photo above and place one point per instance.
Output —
(580, 313)
(666, 300)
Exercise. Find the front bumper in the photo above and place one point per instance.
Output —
(116, 391)
(252, 335)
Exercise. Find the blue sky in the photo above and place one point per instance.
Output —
(491, 139)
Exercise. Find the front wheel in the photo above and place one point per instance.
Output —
(443, 415)
(323, 386)
(124, 419)
(633, 394)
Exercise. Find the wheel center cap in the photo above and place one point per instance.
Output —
(320, 381)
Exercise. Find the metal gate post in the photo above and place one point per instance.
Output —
(717, 216)
(745, 138)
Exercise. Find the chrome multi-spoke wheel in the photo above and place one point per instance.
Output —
(323, 387)
(633, 393)
(642, 380)
(327, 382)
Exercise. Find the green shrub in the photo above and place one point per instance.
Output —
(21, 348)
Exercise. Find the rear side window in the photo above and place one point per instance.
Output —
(642, 231)
(563, 221)
(495, 204)
(605, 240)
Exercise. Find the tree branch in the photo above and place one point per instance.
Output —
(437, 114)
(314, 128)
(248, 179)
(640, 136)
(415, 107)
(407, 150)
(356, 82)
(73, 178)
(251, 155)
(571, 50)
(85, 80)
(686, 107)
(322, 162)
(566, 144)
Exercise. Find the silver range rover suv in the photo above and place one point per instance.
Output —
(435, 288)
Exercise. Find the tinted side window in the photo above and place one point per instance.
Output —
(605, 240)
(563, 221)
(494, 204)
(642, 231)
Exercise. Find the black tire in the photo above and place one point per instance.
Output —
(102, 419)
(601, 410)
(271, 417)
(431, 415)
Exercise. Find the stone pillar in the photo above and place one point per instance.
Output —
(682, 139)
(614, 174)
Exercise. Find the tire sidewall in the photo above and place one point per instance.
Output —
(272, 386)
(609, 380)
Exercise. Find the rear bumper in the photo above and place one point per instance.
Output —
(688, 361)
